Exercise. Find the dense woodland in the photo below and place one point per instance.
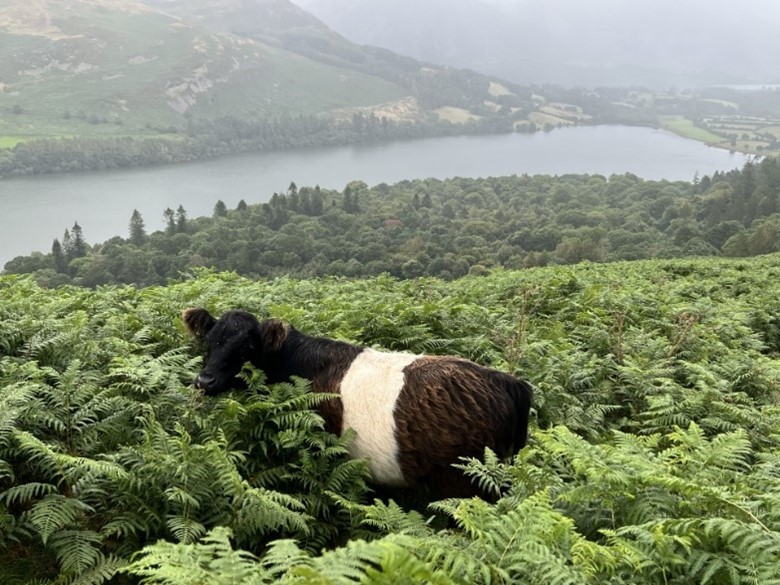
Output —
(654, 453)
(437, 228)
(201, 139)
(198, 137)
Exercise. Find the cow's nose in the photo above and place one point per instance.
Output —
(204, 380)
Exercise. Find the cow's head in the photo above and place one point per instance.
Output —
(231, 341)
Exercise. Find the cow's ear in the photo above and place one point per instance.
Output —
(273, 334)
(198, 322)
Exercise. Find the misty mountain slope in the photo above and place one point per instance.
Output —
(439, 31)
(244, 17)
(277, 22)
(650, 42)
(152, 68)
(284, 24)
(105, 67)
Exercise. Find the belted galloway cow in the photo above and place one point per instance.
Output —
(414, 415)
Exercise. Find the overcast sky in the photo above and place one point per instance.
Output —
(658, 42)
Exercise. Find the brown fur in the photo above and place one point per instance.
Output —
(198, 322)
(451, 408)
(274, 334)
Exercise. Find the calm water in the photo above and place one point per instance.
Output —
(35, 210)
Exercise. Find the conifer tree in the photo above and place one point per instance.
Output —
(220, 209)
(170, 223)
(137, 231)
(241, 206)
(292, 196)
(181, 219)
(58, 255)
(78, 247)
(66, 243)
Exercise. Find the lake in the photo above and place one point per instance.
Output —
(35, 210)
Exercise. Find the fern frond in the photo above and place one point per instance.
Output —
(55, 512)
(488, 474)
(390, 518)
(211, 561)
(259, 512)
(184, 528)
(26, 492)
(76, 550)
(100, 573)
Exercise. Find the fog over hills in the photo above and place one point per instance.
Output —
(570, 42)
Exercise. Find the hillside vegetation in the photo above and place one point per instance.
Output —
(100, 84)
(95, 68)
(93, 84)
(653, 456)
(439, 228)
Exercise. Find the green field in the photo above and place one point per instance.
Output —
(10, 141)
(455, 115)
(653, 456)
(687, 129)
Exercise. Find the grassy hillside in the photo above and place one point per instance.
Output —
(653, 455)
(271, 18)
(106, 68)
(132, 83)
(283, 24)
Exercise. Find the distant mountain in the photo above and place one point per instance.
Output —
(111, 67)
(285, 25)
(208, 70)
(656, 43)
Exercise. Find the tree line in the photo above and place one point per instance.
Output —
(439, 228)
(203, 138)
